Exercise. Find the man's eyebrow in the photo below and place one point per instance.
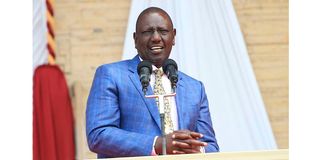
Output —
(147, 28)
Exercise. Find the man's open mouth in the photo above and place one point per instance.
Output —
(156, 49)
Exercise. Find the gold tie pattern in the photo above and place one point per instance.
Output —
(158, 89)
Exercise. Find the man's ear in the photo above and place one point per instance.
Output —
(135, 39)
(134, 36)
(174, 37)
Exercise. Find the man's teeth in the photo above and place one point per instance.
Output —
(156, 48)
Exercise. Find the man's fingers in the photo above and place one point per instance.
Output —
(186, 134)
(181, 136)
(190, 143)
(196, 135)
(181, 144)
(184, 142)
(178, 152)
(185, 148)
(190, 151)
(194, 143)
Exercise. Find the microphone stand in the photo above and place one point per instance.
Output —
(162, 115)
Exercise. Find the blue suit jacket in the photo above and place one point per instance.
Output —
(121, 122)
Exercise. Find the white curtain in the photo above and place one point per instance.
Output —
(40, 52)
(210, 47)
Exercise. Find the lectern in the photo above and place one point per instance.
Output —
(281, 154)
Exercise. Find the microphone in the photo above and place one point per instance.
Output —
(170, 68)
(144, 70)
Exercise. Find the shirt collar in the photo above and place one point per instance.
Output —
(153, 66)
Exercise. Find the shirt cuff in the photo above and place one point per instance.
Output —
(153, 153)
(202, 150)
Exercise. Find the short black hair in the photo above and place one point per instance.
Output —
(152, 10)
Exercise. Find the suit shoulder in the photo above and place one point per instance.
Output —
(115, 66)
(188, 78)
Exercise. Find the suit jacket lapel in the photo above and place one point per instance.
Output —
(150, 103)
(180, 92)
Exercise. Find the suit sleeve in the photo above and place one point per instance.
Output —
(204, 124)
(104, 134)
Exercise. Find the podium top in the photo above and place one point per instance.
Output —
(281, 154)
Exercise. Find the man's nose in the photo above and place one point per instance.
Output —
(156, 37)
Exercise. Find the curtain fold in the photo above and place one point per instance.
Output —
(210, 47)
(53, 135)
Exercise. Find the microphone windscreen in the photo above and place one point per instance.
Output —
(145, 63)
(169, 62)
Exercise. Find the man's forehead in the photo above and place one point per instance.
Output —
(153, 27)
(154, 17)
(150, 15)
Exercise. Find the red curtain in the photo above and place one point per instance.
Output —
(53, 132)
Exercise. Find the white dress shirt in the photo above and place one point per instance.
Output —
(167, 88)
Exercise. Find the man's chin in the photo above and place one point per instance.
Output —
(157, 62)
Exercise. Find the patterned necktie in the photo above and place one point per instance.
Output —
(158, 89)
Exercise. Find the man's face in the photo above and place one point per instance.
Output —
(154, 37)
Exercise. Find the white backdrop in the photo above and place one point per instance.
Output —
(210, 47)
(40, 52)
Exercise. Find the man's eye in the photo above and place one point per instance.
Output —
(147, 32)
(164, 32)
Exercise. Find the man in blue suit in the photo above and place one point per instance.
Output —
(121, 122)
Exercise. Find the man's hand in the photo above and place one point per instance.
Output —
(181, 142)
